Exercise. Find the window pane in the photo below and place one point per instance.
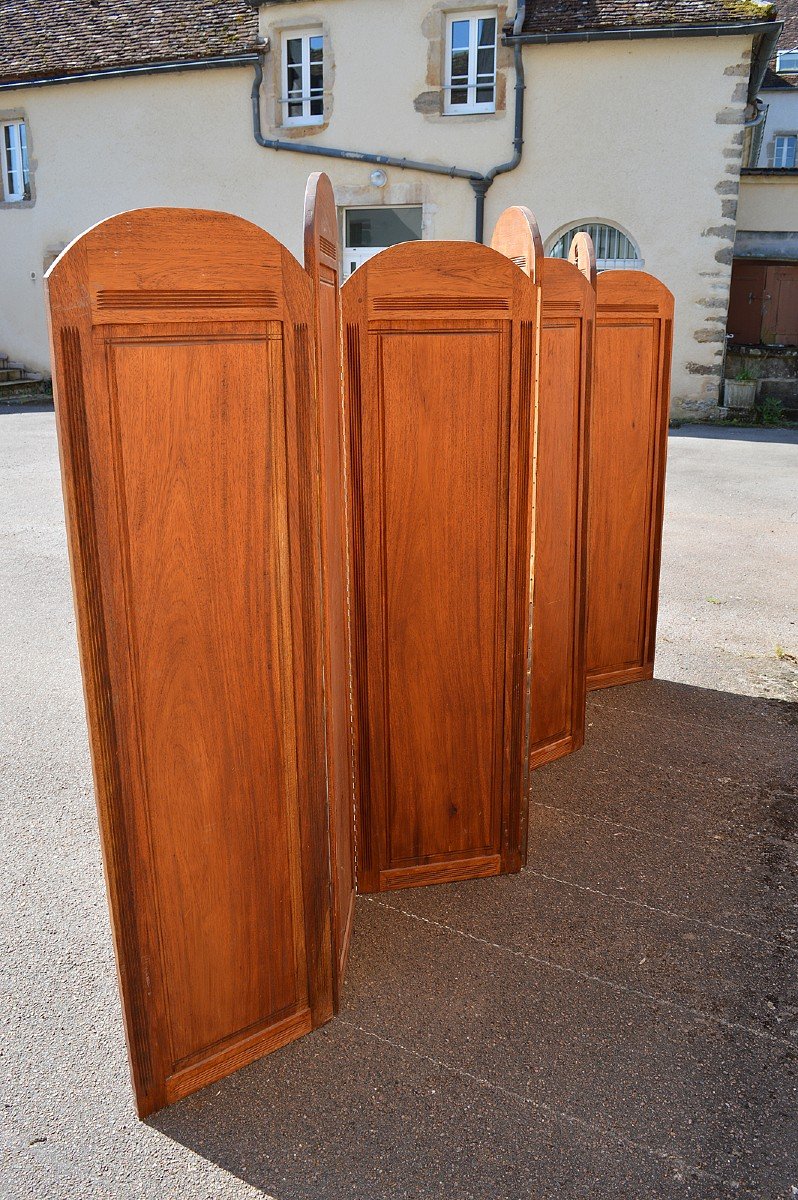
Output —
(294, 81)
(23, 156)
(317, 107)
(13, 185)
(460, 35)
(485, 62)
(458, 96)
(316, 48)
(487, 31)
(782, 152)
(460, 65)
(484, 95)
(293, 50)
(367, 227)
(316, 78)
(787, 60)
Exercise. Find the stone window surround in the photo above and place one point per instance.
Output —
(551, 241)
(273, 75)
(18, 114)
(430, 103)
(397, 195)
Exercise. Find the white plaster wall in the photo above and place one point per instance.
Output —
(644, 134)
(768, 204)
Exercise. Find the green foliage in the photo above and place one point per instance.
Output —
(770, 411)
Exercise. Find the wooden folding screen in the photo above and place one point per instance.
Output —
(323, 265)
(183, 348)
(560, 540)
(440, 343)
(298, 601)
(628, 444)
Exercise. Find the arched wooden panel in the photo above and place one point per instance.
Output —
(440, 342)
(567, 315)
(183, 354)
(516, 235)
(583, 256)
(628, 445)
(323, 265)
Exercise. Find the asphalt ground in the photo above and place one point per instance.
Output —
(618, 1021)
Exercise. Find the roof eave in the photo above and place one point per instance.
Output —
(150, 68)
(633, 32)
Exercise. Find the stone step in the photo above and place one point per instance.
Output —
(31, 385)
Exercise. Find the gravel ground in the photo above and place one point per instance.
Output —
(617, 1021)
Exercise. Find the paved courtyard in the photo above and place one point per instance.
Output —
(619, 1021)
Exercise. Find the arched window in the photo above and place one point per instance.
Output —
(615, 250)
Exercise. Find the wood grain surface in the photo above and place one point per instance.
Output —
(440, 349)
(628, 446)
(567, 316)
(183, 347)
(323, 266)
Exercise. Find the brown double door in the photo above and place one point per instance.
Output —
(763, 303)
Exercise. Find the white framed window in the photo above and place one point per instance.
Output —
(787, 62)
(470, 75)
(615, 250)
(303, 77)
(367, 231)
(16, 173)
(784, 150)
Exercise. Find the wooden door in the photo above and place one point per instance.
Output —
(628, 445)
(567, 316)
(746, 298)
(183, 350)
(440, 343)
(780, 309)
(322, 262)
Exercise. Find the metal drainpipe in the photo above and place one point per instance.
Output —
(761, 113)
(479, 182)
(481, 187)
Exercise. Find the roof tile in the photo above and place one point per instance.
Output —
(41, 38)
(573, 16)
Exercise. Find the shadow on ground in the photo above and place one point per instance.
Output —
(617, 1020)
(784, 434)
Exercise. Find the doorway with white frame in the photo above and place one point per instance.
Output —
(369, 230)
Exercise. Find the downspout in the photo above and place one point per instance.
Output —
(481, 187)
(479, 182)
(762, 56)
(761, 111)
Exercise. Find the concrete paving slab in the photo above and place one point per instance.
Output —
(627, 948)
(611, 1058)
(530, 1037)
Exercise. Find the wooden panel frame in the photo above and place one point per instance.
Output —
(408, 314)
(204, 704)
(322, 262)
(628, 450)
(567, 317)
(582, 254)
